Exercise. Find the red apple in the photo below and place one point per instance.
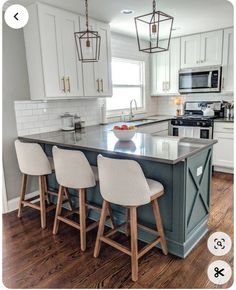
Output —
(116, 128)
(124, 127)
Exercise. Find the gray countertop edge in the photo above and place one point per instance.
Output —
(166, 161)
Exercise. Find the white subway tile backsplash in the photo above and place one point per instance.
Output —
(39, 116)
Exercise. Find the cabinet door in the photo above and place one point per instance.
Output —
(190, 51)
(90, 79)
(174, 66)
(72, 66)
(162, 62)
(211, 48)
(228, 61)
(223, 150)
(52, 53)
(103, 66)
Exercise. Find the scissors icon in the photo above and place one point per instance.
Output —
(218, 272)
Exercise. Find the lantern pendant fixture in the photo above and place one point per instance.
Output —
(88, 42)
(151, 29)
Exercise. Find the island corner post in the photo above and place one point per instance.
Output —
(184, 206)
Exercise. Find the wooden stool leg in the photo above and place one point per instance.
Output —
(160, 229)
(82, 215)
(42, 202)
(127, 226)
(101, 228)
(67, 195)
(134, 243)
(58, 210)
(46, 190)
(111, 217)
(22, 193)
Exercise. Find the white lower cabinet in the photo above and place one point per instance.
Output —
(53, 66)
(159, 129)
(223, 152)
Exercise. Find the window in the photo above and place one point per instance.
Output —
(128, 83)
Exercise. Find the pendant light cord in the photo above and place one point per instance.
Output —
(154, 6)
(86, 8)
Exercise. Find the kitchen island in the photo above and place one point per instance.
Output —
(183, 166)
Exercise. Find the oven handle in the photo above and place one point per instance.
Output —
(209, 79)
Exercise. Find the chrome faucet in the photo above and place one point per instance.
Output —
(131, 114)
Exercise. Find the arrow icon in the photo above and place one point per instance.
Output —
(15, 16)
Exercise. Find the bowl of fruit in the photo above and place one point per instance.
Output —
(124, 132)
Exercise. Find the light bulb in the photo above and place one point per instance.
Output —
(154, 34)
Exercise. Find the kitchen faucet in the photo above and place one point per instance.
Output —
(131, 114)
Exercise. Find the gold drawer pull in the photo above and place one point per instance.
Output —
(68, 83)
(63, 84)
(102, 85)
(98, 86)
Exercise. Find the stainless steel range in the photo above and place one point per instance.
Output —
(198, 120)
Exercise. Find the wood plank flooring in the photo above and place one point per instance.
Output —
(34, 258)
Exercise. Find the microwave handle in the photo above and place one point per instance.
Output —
(209, 79)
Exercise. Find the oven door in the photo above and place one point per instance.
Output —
(196, 81)
(192, 132)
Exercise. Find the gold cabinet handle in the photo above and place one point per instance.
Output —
(98, 86)
(68, 83)
(223, 83)
(63, 84)
(102, 85)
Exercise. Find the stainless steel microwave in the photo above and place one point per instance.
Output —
(200, 80)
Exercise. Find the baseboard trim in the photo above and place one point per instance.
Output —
(223, 169)
(13, 204)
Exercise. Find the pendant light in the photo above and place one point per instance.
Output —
(88, 42)
(153, 27)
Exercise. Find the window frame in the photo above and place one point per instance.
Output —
(142, 86)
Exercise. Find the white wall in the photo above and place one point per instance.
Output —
(15, 87)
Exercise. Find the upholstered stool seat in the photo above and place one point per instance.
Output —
(74, 171)
(33, 162)
(122, 182)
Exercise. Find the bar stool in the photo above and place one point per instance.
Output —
(33, 162)
(122, 182)
(74, 171)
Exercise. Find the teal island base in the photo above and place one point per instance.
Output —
(184, 206)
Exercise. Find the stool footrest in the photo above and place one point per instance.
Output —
(69, 222)
(92, 226)
(149, 247)
(147, 229)
(26, 203)
(116, 245)
(113, 231)
(51, 207)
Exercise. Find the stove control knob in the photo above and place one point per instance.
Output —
(198, 123)
(203, 123)
(176, 122)
(181, 122)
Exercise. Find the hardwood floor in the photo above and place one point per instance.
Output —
(34, 258)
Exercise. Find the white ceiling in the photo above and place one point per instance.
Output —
(190, 16)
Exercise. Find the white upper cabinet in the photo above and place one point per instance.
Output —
(190, 50)
(53, 66)
(228, 61)
(203, 49)
(97, 75)
(165, 68)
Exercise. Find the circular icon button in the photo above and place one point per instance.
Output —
(16, 16)
(219, 272)
(219, 243)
